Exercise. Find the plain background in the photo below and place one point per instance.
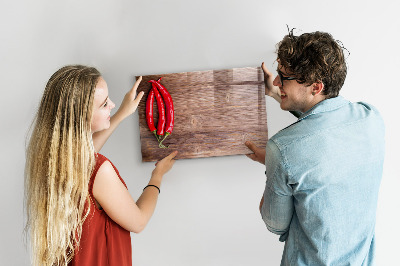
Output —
(208, 208)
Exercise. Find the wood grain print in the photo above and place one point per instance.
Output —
(216, 111)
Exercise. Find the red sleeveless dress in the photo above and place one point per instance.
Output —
(103, 241)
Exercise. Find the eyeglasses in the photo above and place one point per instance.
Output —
(282, 78)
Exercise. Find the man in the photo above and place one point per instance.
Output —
(323, 171)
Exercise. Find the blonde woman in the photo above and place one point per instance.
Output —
(79, 211)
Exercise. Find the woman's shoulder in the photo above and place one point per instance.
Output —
(102, 165)
(106, 168)
(100, 158)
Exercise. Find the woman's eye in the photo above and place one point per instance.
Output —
(105, 104)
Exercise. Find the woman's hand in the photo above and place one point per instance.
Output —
(270, 89)
(163, 166)
(131, 101)
(128, 107)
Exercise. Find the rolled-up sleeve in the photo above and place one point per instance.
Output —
(277, 209)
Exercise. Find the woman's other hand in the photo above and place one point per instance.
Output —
(163, 166)
(131, 101)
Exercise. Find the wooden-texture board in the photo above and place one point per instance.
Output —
(216, 111)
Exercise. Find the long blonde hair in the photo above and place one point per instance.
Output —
(59, 160)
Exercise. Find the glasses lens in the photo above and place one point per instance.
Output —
(280, 78)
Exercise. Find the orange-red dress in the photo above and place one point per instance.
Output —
(103, 241)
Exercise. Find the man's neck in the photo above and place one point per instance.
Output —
(316, 100)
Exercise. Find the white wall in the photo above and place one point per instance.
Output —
(208, 208)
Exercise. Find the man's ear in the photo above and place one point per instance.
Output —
(317, 88)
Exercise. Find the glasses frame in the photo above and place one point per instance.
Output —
(282, 78)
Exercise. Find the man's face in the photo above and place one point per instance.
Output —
(294, 96)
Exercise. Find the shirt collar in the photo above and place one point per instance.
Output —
(325, 106)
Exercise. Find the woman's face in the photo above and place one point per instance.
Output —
(102, 106)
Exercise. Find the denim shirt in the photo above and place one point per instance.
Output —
(323, 176)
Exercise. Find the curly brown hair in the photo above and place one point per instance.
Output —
(314, 57)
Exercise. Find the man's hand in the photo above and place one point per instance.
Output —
(270, 89)
(258, 154)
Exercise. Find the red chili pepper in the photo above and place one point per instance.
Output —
(149, 112)
(169, 107)
(161, 113)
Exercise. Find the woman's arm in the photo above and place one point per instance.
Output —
(128, 107)
(116, 201)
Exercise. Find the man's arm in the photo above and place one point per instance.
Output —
(261, 203)
(276, 206)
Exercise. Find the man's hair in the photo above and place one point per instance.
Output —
(314, 57)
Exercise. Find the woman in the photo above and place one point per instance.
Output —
(78, 207)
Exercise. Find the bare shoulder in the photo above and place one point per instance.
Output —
(106, 181)
(106, 170)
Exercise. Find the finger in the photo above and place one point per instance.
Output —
(136, 85)
(138, 80)
(251, 156)
(139, 97)
(172, 155)
(251, 146)
(265, 69)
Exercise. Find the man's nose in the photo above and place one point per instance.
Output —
(277, 81)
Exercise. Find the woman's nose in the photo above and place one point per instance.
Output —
(112, 105)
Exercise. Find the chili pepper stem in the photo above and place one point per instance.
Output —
(155, 134)
(161, 145)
